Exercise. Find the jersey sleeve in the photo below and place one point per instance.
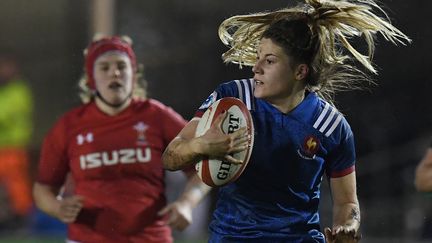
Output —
(53, 163)
(341, 160)
(217, 94)
(242, 89)
(172, 124)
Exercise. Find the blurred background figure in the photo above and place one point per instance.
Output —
(423, 184)
(423, 176)
(16, 107)
(111, 147)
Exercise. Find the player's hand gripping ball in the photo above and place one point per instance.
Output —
(215, 172)
(342, 237)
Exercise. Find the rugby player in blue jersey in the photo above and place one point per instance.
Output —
(300, 57)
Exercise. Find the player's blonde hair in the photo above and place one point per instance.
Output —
(318, 33)
(87, 94)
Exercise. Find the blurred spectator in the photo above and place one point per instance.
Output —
(111, 147)
(423, 176)
(423, 183)
(15, 131)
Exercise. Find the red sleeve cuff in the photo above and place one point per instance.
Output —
(336, 174)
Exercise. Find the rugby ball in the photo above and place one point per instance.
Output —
(214, 172)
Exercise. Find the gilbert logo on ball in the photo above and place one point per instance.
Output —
(216, 172)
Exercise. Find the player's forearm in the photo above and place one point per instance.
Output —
(345, 214)
(45, 198)
(181, 153)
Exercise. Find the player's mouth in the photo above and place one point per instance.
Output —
(115, 85)
(258, 82)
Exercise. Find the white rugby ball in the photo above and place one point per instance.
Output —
(216, 172)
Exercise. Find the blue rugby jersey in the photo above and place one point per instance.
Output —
(276, 198)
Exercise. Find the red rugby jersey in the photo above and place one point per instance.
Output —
(116, 165)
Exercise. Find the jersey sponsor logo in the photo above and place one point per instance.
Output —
(81, 139)
(141, 127)
(209, 101)
(122, 156)
(309, 148)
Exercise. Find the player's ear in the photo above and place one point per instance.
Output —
(301, 71)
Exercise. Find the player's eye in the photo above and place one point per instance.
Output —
(104, 68)
(121, 65)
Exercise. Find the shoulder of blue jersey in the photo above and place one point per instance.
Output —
(245, 89)
(215, 172)
(328, 120)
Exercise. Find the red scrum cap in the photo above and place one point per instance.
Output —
(101, 46)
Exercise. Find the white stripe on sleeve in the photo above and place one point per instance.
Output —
(335, 124)
(240, 90)
(321, 117)
(247, 94)
(327, 122)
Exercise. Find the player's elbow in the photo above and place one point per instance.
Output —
(168, 162)
(170, 167)
(179, 155)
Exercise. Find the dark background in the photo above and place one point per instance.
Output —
(178, 44)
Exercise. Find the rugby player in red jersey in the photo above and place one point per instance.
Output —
(112, 147)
